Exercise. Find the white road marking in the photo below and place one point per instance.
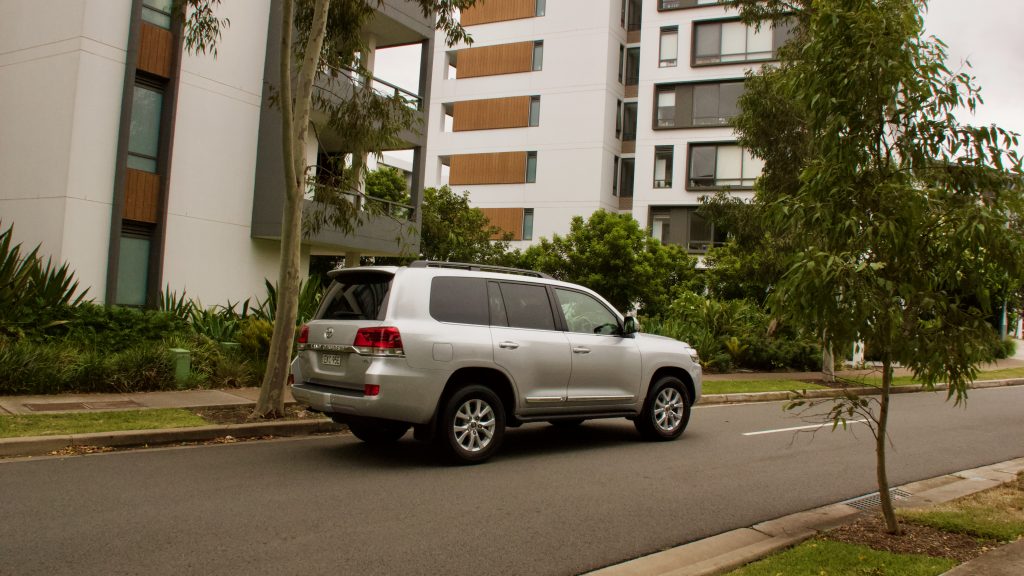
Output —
(795, 428)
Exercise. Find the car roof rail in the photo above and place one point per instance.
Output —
(477, 268)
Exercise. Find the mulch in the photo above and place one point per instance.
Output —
(869, 530)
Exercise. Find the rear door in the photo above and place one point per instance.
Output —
(356, 299)
(527, 344)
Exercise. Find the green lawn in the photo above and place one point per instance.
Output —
(746, 386)
(996, 514)
(909, 380)
(82, 423)
(821, 557)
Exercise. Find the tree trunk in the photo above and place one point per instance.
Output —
(295, 126)
(828, 360)
(891, 525)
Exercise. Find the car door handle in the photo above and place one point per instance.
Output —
(581, 350)
(508, 345)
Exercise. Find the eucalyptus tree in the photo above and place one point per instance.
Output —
(320, 48)
(901, 224)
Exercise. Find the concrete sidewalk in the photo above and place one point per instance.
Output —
(1016, 361)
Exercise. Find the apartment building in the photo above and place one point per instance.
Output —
(563, 107)
(146, 167)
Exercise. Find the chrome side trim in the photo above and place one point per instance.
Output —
(601, 398)
(539, 399)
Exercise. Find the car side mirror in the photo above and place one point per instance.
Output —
(630, 326)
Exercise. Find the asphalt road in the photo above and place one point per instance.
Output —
(552, 502)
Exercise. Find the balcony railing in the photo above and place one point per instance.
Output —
(380, 86)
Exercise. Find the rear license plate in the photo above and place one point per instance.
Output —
(330, 359)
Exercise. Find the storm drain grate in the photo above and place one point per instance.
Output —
(872, 501)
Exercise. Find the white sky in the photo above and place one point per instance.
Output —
(987, 33)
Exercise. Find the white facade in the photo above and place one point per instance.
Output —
(194, 204)
(61, 80)
(575, 138)
(580, 87)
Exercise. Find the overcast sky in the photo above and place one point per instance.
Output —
(987, 33)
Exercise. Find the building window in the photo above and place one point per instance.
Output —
(615, 175)
(622, 61)
(535, 111)
(158, 12)
(634, 16)
(684, 226)
(714, 166)
(680, 4)
(541, 7)
(622, 15)
(632, 66)
(618, 118)
(629, 121)
(724, 42)
(626, 169)
(531, 166)
(669, 47)
(708, 104)
(444, 169)
(538, 55)
(133, 265)
(661, 225)
(451, 71)
(448, 116)
(663, 166)
(666, 107)
(528, 224)
(144, 138)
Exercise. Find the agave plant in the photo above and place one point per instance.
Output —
(310, 293)
(179, 306)
(28, 287)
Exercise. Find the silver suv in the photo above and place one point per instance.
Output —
(460, 352)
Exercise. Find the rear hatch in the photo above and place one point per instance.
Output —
(357, 298)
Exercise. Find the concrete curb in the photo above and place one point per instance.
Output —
(37, 445)
(727, 551)
(742, 398)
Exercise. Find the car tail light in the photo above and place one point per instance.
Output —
(379, 341)
(371, 390)
(303, 337)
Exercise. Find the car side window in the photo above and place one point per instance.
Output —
(527, 306)
(586, 315)
(459, 300)
(497, 305)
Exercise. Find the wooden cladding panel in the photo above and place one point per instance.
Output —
(513, 112)
(156, 50)
(510, 220)
(141, 196)
(489, 168)
(498, 59)
(486, 11)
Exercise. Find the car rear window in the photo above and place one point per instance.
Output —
(356, 296)
(459, 300)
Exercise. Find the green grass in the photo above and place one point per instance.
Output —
(83, 423)
(824, 558)
(746, 386)
(1003, 374)
(996, 514)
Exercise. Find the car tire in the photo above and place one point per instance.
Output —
(666, 410)
(378, 432)
(472, 425)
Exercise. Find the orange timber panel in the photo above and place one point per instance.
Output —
(142, 190)
(498, 59)
(512, 112)
(155, 50)
(497, 11)
(508, 219)
(488, 168)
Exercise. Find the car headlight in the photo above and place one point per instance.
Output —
(693, 355)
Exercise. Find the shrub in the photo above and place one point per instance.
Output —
(254, 335)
